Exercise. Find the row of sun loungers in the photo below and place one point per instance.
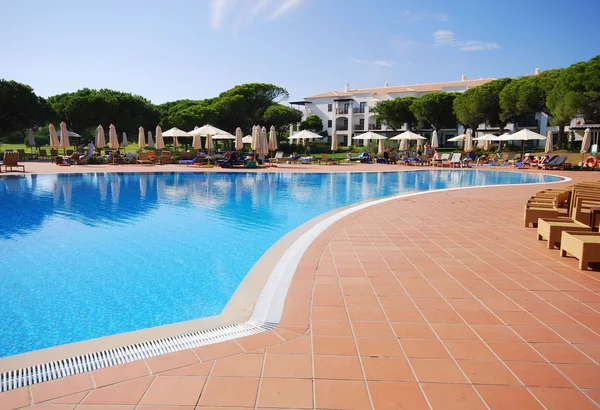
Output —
(566, 218)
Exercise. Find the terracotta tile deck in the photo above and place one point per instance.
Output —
(438, 301)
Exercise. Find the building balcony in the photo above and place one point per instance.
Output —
(358, 110)
(359, 127)
(341, 128)
(374, 127)
(341, 111)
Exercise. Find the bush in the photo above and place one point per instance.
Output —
(95, 160)
(132, 160)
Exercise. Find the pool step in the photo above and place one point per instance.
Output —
(99, 360)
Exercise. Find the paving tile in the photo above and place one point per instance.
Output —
(286, 393)
(164, 362)
(515, 352)
(202, 369)
(366, 314)
(482, 372)
(437, 371)
(61, 387)
(244, 365)
(474, 350)
(338, 368)
(537, 334)
(71, 399)
(260, 340)
(328, 345)
(44, 406)
(372, 329)
(561, 353)
(331, 328)
(387, 369)
(508, 398)
(538, 374)
(452, 396)
(441, 316)
(14, 398)
(392, 396)
(230, 392)
(413, 331)
(447, 331)
(129, 392)
(498, 333)
(584, 376)
(116, 374)
(432, 349)
(218, 350)
(368, 346)
(341, 394)
(287, 366)
(102, 407)
(404, 315)
(557, 399)
(300, 345)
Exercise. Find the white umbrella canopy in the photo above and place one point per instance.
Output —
(458, 138)
(272, 139)
(468, 145)
(225, 136)
(263, 148)
(207, 130)
(150, 140)
(54, 143)
(124, 142)
(549, 141)
(100, 137)
(381, 147)
(304, 135)
(69, 134)
(160, 142)
(113, 140)
(408, 135)
(247, 139)
(30, 138)
(209, 143)
(64, 136)
(141, 138)
(175, 132)
(523, 135)
(587, 140)
(239, 141)
(370, 136)
(334, 141)
(486, 137)
(434, 140)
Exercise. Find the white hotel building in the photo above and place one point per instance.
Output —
(350, 112)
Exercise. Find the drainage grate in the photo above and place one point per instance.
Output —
(85, 363)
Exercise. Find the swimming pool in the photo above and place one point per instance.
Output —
(91, 255)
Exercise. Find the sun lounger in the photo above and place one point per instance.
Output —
(11, 160)
(43, 154)
(534, 212)
(189, 161)
(325, 159)
(456, 160)
(551, 229)
(165, 157)
(144, 160)
(350, 158)
(584, 246)
(278, 157)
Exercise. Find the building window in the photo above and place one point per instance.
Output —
(329, 107)
(361, 124)
(363, 106)
(329, 123)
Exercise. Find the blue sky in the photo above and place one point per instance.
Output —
(167, 50)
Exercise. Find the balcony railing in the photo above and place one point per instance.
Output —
(374, 126)
(358, 110)
(359, 127)
(342, 128)
(340, 111)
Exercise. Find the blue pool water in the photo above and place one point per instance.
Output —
(84, 256)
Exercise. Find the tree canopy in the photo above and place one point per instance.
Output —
(467, 107)
(435, 109)
(396, 112)
(21, 108)
(312, 123)
(281, 116)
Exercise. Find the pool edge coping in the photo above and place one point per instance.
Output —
(258, 301)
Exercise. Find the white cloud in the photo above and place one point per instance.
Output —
(447, 38)
(284, 7)
(241, 14)
(418, 16)
(377, 63)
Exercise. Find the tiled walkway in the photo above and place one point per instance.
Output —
(437, 301)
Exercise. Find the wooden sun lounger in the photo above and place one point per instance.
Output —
(11, 160)
(584, 246)
(551, 229)
(143, 160)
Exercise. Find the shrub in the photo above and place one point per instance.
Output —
(95, 160)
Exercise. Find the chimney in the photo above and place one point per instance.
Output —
(386, 85)
(537, 71)
(347, 87)
(464, 78)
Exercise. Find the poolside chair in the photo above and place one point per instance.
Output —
(471, 158)
(325, 159)
(585, 246)
(22, 154)
(144, 160)
(440, 162)
(11, 160)
(165, 157)
(351, 158)
(43, 154)
(188, 162)
(510, 159)
(53, 154)
(456, 160)
(278, 157)
(152, 157)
